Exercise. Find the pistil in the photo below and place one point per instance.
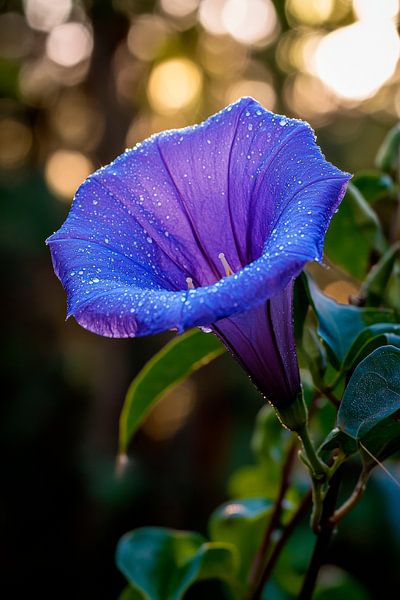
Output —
(225, 264)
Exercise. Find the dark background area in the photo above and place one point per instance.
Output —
(71, 99)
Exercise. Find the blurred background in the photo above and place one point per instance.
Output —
(79, 82)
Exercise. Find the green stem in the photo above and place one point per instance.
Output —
(286, 533)
(259, 559)
(323, 540)
(319, 469)
(354, 498)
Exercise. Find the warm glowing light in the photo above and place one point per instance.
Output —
(15, 143)
(355, 61)
(249, 21)
(65, 171)
(372, 10)
(222, 56)
(341, 291)
(262, 91)
(69, 44)
(147, 36)
(310, 99)
(76, 121)
(171, 412)
(311, 12)
(210, 16)
(179, 8)
(36, 84)
(297, 49)
(174, 84)
(46, 14)
(145, 125)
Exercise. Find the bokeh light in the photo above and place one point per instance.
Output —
(69, 44)
(44, 15)
(373, 10)
(37, 85)
(210, 16)
(310, 12)
(179, 8)
(174, 84)
(147, 36)
(15, 143)
(355, 61)
(65, 170)
(222, 56)
(250, 21)
(309, 98)
(262, 91)
(76, 121)
(170, 414)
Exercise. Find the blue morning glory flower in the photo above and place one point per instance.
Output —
(204, 226)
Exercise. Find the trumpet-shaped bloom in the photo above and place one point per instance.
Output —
(204, 226)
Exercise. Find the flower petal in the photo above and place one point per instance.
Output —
(245, 182)
(263, 341)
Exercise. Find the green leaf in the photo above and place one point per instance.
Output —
(162, 564)
(333, 583)
(374, 287)
(354, 232)
(371, 338)
(381, 442)
(253, 481)
(129, 593)
(372, 394)
(374, 185)
(269, 439)
(337, 439)
(176, 361)
(387, 158)
(269, 444)
(241, 523)
(315, 354)
(340, 324)
(392, 298)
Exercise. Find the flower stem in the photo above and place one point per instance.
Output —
(287, 532)
(323, 539)
(319, 469)
(274, 521)
(354, 498)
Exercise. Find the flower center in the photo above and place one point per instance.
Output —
(225, 264)
(228, 271)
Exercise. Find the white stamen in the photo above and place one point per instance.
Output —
(225, 264)
(189, 282)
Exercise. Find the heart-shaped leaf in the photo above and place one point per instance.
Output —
(374, 185)
(340, 324)
(372, 394)
(241, 523)
(374, 287)
(371, 338)
(162, 564)
(337, 439)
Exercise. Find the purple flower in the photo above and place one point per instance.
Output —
(204, 226)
